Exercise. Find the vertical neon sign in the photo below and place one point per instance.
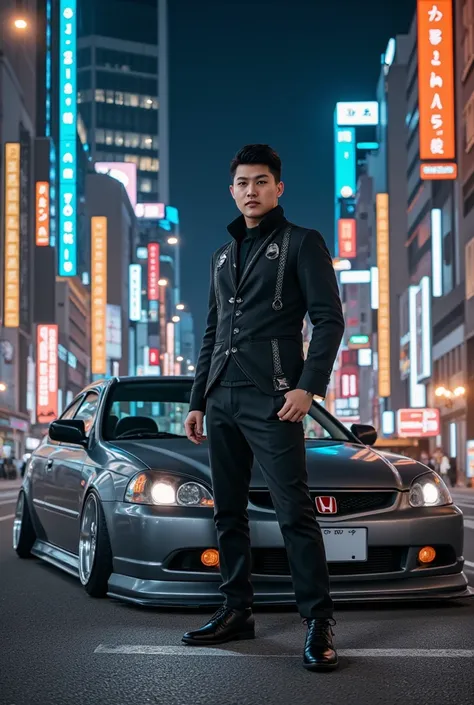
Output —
(67, 139)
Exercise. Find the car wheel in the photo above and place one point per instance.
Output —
(24, 534)
(95, 552)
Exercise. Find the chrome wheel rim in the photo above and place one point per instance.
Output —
(18, 520)
(88, 539)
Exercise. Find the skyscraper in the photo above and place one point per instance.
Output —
(118, 86)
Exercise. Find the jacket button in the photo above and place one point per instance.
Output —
(227, 352)
(239, 301)
(238, 313)
(234, 350)
(236, 330)
(232, 300)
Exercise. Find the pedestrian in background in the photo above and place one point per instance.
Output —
(255, 388)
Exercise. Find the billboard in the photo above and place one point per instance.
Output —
(383, 266)
(153, 271)
(114, 332)
(99, 295)
(347, 239)
(67, 158)
(42, 214)
(436, 79)
(345, 162)
(153, 357)
(150, 211)
(46, 373)
(135, 292)
(11, 314)
(418, 423)
(358, 113)
(124, 172)
(355, 276)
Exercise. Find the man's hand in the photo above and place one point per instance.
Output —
(298, 403)
(194, 426)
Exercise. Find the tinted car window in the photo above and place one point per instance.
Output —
(146, 409)
(69, 413)
(87, 411)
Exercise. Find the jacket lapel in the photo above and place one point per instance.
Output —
(233, 263)
(253, 259)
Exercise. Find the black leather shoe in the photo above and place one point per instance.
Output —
(319, 651)
(225, 625)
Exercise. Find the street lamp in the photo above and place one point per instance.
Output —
(20, 23)
(180, 358)
(180, 307)
(191, 368)
(176, 319)
(173, 241)
(448, 395)
(3, 387)
(162, 282)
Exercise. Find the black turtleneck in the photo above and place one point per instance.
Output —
(246, 246)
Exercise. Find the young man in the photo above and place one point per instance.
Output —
(255, 388)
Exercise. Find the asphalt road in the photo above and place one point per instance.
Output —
(60, 647)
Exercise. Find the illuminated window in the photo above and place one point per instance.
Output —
(145, 186)
(132, 159)
(109, 97)
(148, 164)
(468, 36)
(132, 139)
(469, 123)
(118, 98)
(80, 98)
(119, 139)
(470, 269)
(100, 136)
(134, 100)
(146, 142)
(99, 95)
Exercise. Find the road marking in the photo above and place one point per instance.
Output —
(469, 523)
(7, 501)
(152, 650)
(10, 516)
(469, 564)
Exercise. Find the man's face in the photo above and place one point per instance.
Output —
(255, 190)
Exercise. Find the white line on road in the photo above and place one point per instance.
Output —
(10, 516)
(7, 501)
(151, 650)
(469, 523)
(469, 564)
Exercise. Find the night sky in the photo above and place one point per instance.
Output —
(267, 71)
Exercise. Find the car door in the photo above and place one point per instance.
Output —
(64, 480)
(42, 490)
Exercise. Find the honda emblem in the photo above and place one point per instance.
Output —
(326, 505)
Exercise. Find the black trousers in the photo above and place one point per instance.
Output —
(242, 423)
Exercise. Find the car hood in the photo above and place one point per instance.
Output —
(331, 464)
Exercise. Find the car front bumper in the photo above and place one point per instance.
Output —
(144, 538)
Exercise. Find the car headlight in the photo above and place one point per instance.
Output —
(429, 490)
(148, 488)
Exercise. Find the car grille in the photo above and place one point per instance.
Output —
(273, 561)
(347, 502)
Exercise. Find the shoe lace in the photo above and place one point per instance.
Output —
(219, 613)
(320, 628)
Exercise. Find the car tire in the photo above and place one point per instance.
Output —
(24, 535)
(95, 551)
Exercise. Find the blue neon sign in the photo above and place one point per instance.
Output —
(67, 162)
(345, 162)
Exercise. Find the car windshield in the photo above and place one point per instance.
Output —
(151, 408)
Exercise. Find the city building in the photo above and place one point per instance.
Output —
(17, 132)
(464, 13)
(114, 239)
(118, 86)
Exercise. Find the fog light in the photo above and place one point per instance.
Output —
(427, 554)
(210, 558)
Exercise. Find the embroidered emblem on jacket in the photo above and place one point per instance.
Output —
(221, 260)
(272, 251)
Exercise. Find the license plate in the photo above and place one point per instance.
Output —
(344, 545)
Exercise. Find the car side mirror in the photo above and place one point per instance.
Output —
(68, 431)
(365, 433)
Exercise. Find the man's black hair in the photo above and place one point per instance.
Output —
(257, 154)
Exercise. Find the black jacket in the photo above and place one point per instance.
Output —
(259, 321)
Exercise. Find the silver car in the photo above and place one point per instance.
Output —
(117, 496)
